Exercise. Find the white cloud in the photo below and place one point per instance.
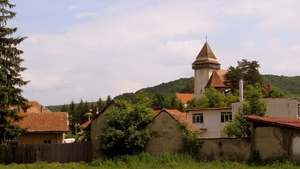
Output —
(126, 46)
(73, 7)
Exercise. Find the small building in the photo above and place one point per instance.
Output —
(210, 120)
(97, 126)
(43, 128)
(169, 137)
(275, 137)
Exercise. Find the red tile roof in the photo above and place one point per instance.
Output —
(287, 122)
(215, 81)
(36, 107)
(45, 122)
(85, 124)
(184, 97)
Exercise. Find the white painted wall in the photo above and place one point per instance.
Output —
(201, 77)
(277, 107)
(211, 121)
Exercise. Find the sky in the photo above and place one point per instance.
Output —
(91, 49)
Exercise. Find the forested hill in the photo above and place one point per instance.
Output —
(289, 85)
(182, 84)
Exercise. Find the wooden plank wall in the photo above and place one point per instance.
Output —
(30, 153)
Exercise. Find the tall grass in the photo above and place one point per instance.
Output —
(165, 161)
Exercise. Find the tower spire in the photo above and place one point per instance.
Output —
(206, 37)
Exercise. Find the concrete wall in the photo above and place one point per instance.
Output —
(277, 107)
(169, 136)
(225, 148)
(272, 141)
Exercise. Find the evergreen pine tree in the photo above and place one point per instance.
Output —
(11, 99)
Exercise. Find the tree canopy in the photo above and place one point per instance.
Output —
(254, 105)
(246, 70)
(11, 81)
(126, 133)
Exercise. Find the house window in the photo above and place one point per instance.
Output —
(198, 118)
(47, 141)
(226, 116)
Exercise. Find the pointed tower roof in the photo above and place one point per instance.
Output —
(206, 56)
(215, 80)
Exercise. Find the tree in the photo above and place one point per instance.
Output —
(158, 100)
(72, 109)
(246, 70)
(11, 81)
(127, 133)
(108, 100)
(255, 105)
(100, 104)
(64, 108)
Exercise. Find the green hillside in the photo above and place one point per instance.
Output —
(289, 85)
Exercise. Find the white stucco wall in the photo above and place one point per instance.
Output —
(277, 107)
(211, 126)
(201, 78)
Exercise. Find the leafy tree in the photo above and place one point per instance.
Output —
(255, 105)
(141, 95)
(171, 102)
(126, 133)
(11, 99)
(246, 70)
(275, 93)
(188, 88)
(212, 99)
(158, 100)
(200, 103)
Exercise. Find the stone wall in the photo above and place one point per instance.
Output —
(225, 148)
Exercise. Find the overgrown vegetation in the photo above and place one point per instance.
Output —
(167, 160)
(191, 141)
(254, 105)
(126, 133)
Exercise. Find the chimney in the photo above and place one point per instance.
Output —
(241, 90)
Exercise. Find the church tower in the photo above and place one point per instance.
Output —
(203, 66)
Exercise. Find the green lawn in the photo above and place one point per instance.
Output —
(146, 161)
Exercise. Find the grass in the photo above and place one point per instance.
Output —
(147, 161)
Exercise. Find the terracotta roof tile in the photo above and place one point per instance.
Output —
(85, 124)
(184, 97)
(215, 80)
(280, 121)
(45, 122)
(36, 107)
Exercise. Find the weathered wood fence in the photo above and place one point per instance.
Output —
(30, 153)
